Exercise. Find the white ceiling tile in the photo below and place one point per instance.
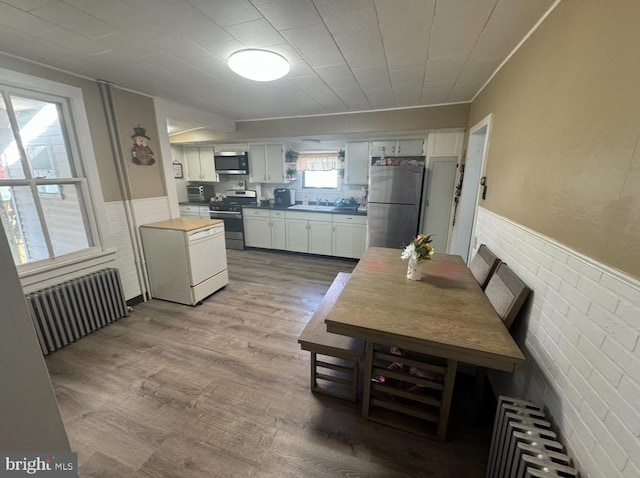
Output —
(352, 96)
(351, 55)
(181, 47)
(200, 29)
(477, 69)
(100, 8)
(464, 91)
(341, 16)
(444, 69)
(28, 5)
(381, 98)
(506, 27)
(436, 93)
(456, 26)
(227, 12)
(285, 14)
(19, 20)
(373, 78)
(125, 43)
(75, 20)
(315, 45)
(127, 19)
(212, 65)
(160, 12)
(406, 29)
(287, 51)
(223, 50)
(256, 33)
(72, 41)
(300, 69)
(362, 48)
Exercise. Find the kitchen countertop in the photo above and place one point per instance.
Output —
(335, 210)
(186, 224)
(194, 203)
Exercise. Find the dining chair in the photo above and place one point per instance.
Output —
(483, 265)
(506, 292)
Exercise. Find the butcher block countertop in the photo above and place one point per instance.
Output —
(186, 224)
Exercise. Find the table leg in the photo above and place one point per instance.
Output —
(368, 370)
(447, 393)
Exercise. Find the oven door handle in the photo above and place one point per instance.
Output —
(229, 214)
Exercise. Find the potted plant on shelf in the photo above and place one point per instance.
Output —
(291, 172)
(291, 156)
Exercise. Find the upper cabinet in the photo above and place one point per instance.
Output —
(200, 164)
(400, 147)
(357, 163)
(222, 148)
(266, 163)
(445, 143)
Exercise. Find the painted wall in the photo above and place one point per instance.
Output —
(342, 125)
(132, 110)
(563, 153)
(563, 210)
(95, 115)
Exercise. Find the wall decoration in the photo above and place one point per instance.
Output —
(141, 152)
(177, 169)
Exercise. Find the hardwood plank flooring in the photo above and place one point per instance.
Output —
(222, 390)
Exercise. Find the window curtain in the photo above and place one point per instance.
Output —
(318, 162)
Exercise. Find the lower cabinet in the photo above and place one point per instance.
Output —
(309, 232)
(264, 228)
(338, 235)
(349, 235)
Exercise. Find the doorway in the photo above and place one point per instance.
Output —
(438, 210)
(465, 219)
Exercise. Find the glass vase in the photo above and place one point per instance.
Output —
(413, 273)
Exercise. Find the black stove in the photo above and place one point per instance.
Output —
(230, 211)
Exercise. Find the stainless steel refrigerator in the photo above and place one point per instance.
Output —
(395, 193)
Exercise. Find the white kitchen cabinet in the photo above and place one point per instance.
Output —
(200, 164)
(400, 147)
(266, 163)
(223, 148)
(349, 235)
(193, 210)
(445, 143)
(309, 232)
(264, 228)
(278, 230)
(357, 163)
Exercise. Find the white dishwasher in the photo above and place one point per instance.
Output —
(186, 258)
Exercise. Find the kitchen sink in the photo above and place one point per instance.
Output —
(306, 207)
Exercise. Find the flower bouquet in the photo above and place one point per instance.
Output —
(418, 250)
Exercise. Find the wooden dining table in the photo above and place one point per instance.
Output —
(444, 315)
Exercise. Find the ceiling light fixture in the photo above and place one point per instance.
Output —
(258, 65)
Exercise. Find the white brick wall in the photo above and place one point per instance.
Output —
(146, 211)
(582, 346)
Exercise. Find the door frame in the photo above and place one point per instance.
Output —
(483, 124)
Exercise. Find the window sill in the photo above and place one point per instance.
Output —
(53, 272)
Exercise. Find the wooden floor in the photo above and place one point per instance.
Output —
(222, 390)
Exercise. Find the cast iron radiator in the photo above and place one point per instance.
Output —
(523, 444)
(66, 312)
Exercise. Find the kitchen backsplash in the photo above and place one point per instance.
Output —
(266, 190)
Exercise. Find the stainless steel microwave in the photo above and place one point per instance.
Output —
(232, 162)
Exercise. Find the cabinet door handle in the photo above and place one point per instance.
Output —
(398, 149)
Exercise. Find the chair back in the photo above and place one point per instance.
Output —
(507, 293)
(483, 265)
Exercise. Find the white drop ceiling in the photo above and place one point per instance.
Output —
(345, 55)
